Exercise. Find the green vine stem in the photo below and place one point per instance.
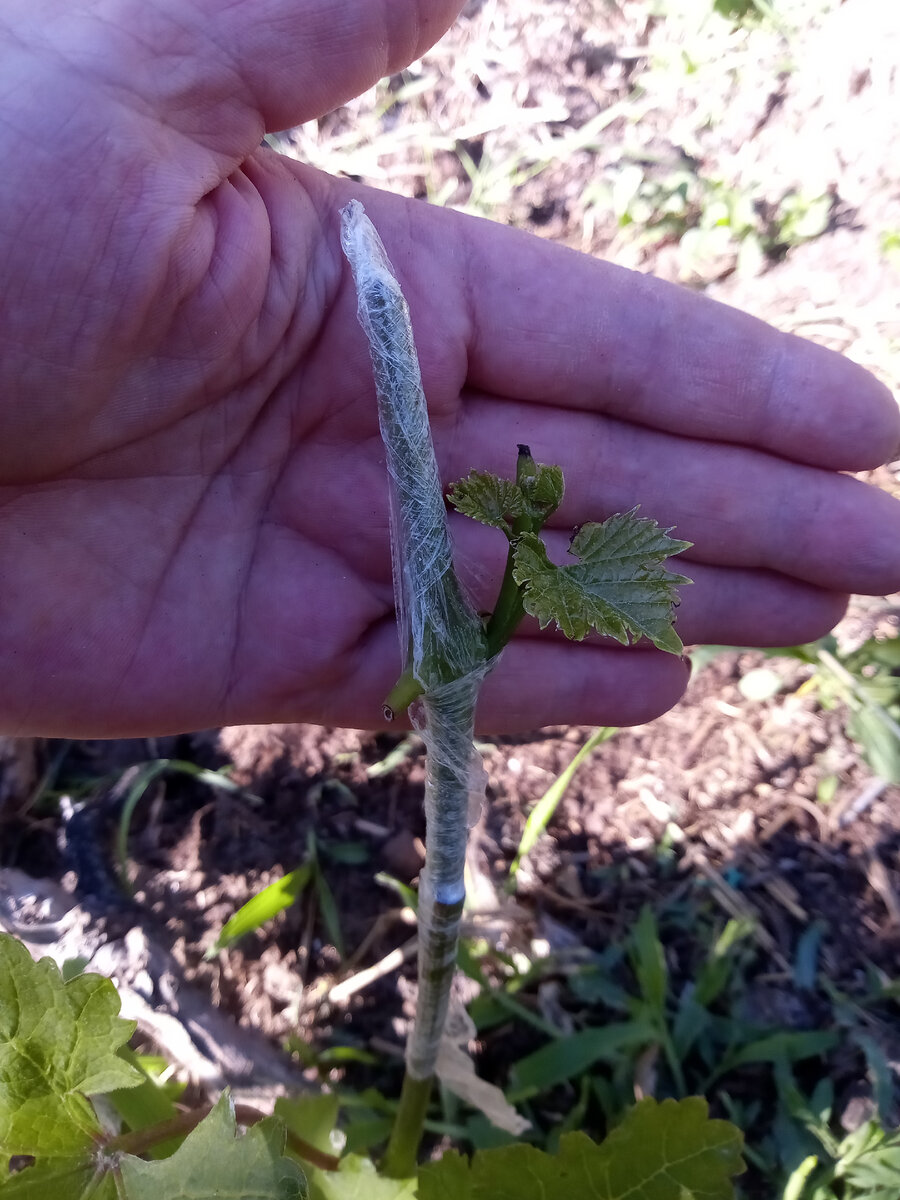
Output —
(139, 1141)
(400, 1158)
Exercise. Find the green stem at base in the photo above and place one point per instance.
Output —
(510, 607)
(508, 611)
(400, 1158)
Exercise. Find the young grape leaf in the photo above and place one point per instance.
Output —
(542, 488)
(618, 588)
(668, 1151)
(536, 493)
(213, 1163)
(489, 499)
(58, 1045)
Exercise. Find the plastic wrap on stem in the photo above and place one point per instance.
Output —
(446, 636)
(454, 786)
(445, 633)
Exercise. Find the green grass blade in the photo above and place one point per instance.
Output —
(329, 911)
(567, 1058)
(261, 908)
(784, 1046)
(542, 813)
(213, 779)
(146, 773)
(145, 777)
(649, 962)
(409, 896)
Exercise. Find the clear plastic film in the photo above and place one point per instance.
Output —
(438, 626)
(457, 1072)
(441, 628)
(452, 767)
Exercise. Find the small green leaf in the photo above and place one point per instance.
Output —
(357, 1179)
(542, 488)
(785, 1046)
(881, 748)
(147, 1104)
(565, 1058)
(329, 910)
(619, 588)
(214, 1163)
(58, 1045)
(262, 907)
(489, 499)
(649, 961)
(668, 1151)
(530, 500)
(312, 1118)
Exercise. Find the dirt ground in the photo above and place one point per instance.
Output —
(533, 114)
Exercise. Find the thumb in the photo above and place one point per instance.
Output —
(233, 71)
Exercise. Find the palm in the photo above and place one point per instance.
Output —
(193, 513)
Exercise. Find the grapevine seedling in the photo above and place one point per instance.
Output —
(619, 588)
(51, 1138)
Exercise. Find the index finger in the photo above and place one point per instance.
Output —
(555, 327)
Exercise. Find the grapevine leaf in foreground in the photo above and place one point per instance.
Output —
(81, 1180)
(58, 1045)
(214, 1163)
(619, 588)
(668, 1151)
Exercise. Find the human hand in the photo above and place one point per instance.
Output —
(193, 509)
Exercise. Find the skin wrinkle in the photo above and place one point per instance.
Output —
(225, 293)
(120, 683)
(471, 337)
(240, 620)
(251, 104)
(184, 540)
(336, 672)
(773, 408)
(233, 675)
(299, 290)
(325, 667)
(127, 98)
(174, 102)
